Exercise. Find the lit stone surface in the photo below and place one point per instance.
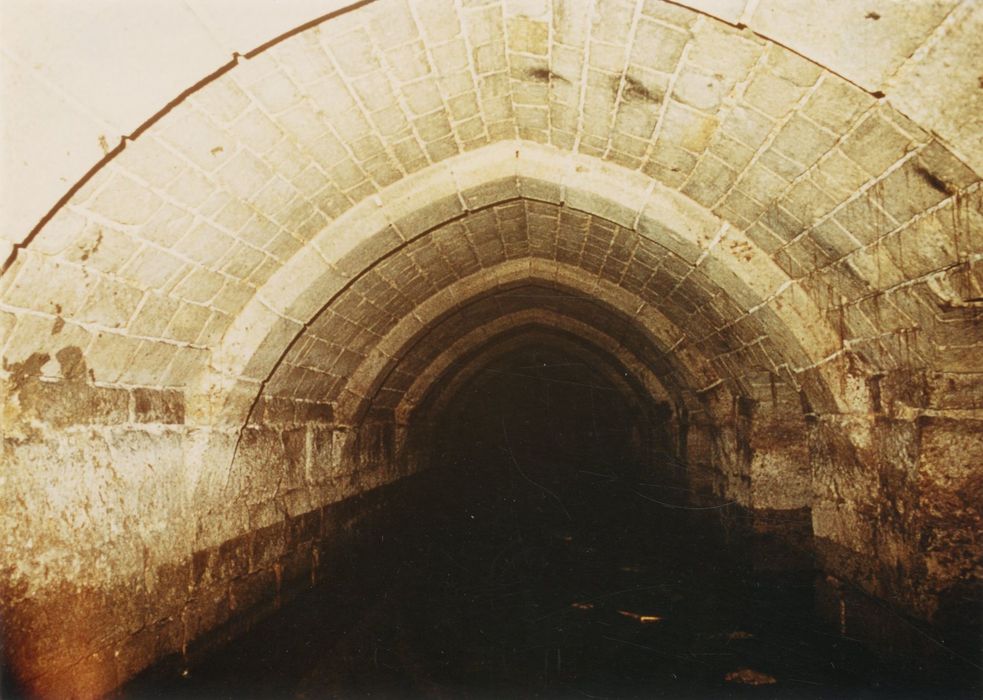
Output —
(235, 323)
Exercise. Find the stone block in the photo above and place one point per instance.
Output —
(762, 184)
(233, 557)
(69, 403)
(439, 21)
(686, 128)
(657, 46)
(354, 53)
(245, 175)
(303, 60)
(950, 509)
(276, 92)
(304, 528)
(570, 24)
(199, 139)
(187, 323)
(747, 126)
(723, 51)
(809, 203)
(158, 406)
(803, 141)
(527, 36)
(875, 144)
(59, 232)
(255, 589)
(295, 457)
(222, 99)
(407, 63)
(257, 131)
(953, 391)
(772, 94)
(151, 268)
(863, 219)
(739, 208)
(168, 587)
(911, 189)
(67, 289)
(209, 608)
(792, 67)
(730, 151)
(297, 564)
(111, 304)
(167, 226)
(710, 181)
(484, 25)
(838, 176)
(833, 239)
(835, 103)
(151, 162)
(268, 545)
(413, 222)
(700, 90)
(200, 285)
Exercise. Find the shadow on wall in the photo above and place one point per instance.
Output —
(547, 411)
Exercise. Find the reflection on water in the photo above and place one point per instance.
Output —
(481, 585)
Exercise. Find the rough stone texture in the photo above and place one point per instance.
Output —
(170, 611)
(163, 571)
(780, 469)
(896, 492)
(231, 324)
(73, 120)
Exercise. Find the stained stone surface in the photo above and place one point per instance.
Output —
(768, 215)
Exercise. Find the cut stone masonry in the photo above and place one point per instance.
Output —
(226, 344)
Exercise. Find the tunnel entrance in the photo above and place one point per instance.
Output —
(546, 410)
(554, 549)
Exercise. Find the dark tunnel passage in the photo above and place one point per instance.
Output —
(473, 348)
(554, 549)
(552, 408)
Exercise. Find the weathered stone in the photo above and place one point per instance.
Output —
(305, 247)
(166, 406)
(207, 608)
(267, 546)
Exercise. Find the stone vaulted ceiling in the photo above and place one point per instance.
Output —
(227, 283)
(778, 212)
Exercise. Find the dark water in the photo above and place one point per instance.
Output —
(487, 583)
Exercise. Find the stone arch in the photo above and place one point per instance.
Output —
(920, 83)
(424, 383)
(848, 228)
(655, 424)
(260, 335)
(373, 372)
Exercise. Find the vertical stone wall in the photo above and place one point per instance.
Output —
(898, 494)
(774, 218)
(750, 450)
(778, 441)
(717, 449)
(127, 535)
(98, 510)
(892, 489)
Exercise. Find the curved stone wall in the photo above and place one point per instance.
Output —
(220, 331)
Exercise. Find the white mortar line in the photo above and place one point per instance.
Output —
(653, 138)
(589, 8)
(629, 45)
